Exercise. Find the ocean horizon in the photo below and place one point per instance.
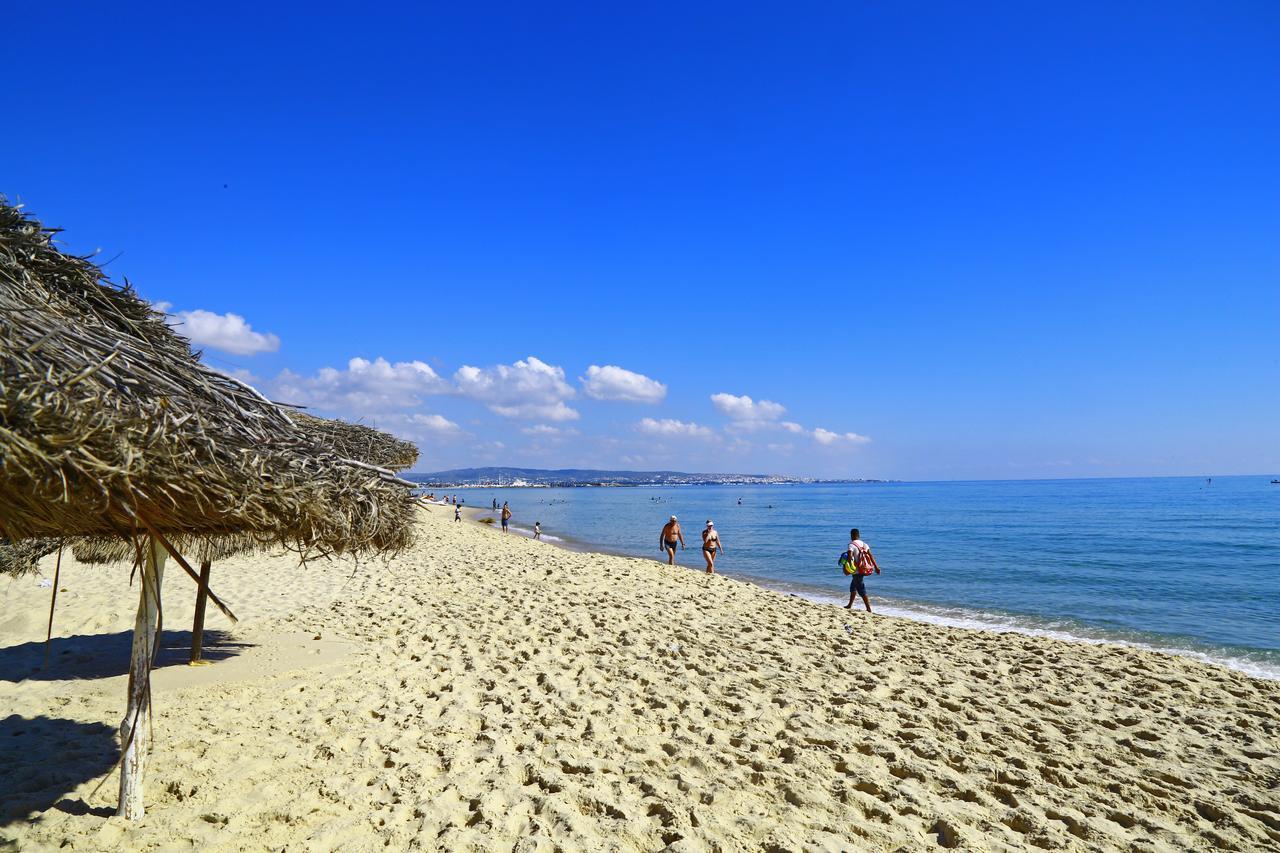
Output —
(1182, 565)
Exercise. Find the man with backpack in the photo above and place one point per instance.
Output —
(858, 562)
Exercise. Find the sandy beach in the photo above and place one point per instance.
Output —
(488, 692)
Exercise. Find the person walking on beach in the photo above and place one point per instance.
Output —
(669, 538)
(858, 562)
(506, 516)
(537, 530)
(711, 544)
(457, 513)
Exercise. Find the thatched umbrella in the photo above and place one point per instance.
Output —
(110, 425)
(115, 549)
(360, 442)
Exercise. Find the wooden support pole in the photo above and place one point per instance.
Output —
(197, 627)
(135, 729)
(226, 611)
(57, 578)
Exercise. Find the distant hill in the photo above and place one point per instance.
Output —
(589, 477)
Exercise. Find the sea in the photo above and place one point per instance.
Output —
(1186, 565)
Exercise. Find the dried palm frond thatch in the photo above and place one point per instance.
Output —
(109, 423)
(117, 549)
(356, 441)
(23, 557)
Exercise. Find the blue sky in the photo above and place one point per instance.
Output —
(928, 240)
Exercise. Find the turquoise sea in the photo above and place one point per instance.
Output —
(1187, 565)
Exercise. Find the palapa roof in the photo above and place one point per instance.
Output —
(356, 441)
(23, 557)
(110, 423)
(116, 549)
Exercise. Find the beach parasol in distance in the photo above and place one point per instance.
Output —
(111, 426)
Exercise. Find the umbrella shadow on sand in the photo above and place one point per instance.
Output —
(88, 656)
(42, 759)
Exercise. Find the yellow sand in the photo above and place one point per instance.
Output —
(493, 693)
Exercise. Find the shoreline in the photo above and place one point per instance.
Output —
(997, 622)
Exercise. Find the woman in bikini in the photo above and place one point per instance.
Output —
(711, 544)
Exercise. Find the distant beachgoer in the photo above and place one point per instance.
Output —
(739, 501)
(537, 530)
(710, 545)
(495, 503)
(457, 513)
(858, 562)
(669, 538)
(506, 516)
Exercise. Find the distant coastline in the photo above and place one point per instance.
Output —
(462, 478)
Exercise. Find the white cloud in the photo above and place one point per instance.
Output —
(745, 412)
(364, 387)
(672, 427)
(529, 389)
(547, 431)
(225, 332)
(823, 436)
(420, 427)
(615, 383)
(537, 412)
(433, 425)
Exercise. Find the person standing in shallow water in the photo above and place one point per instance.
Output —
(711, 544)
(669, 538)
(859, 561)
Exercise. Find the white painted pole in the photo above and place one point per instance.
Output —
(135, 730)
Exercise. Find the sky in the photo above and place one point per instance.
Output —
(847, 239)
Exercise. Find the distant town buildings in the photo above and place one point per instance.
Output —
(536, 478)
